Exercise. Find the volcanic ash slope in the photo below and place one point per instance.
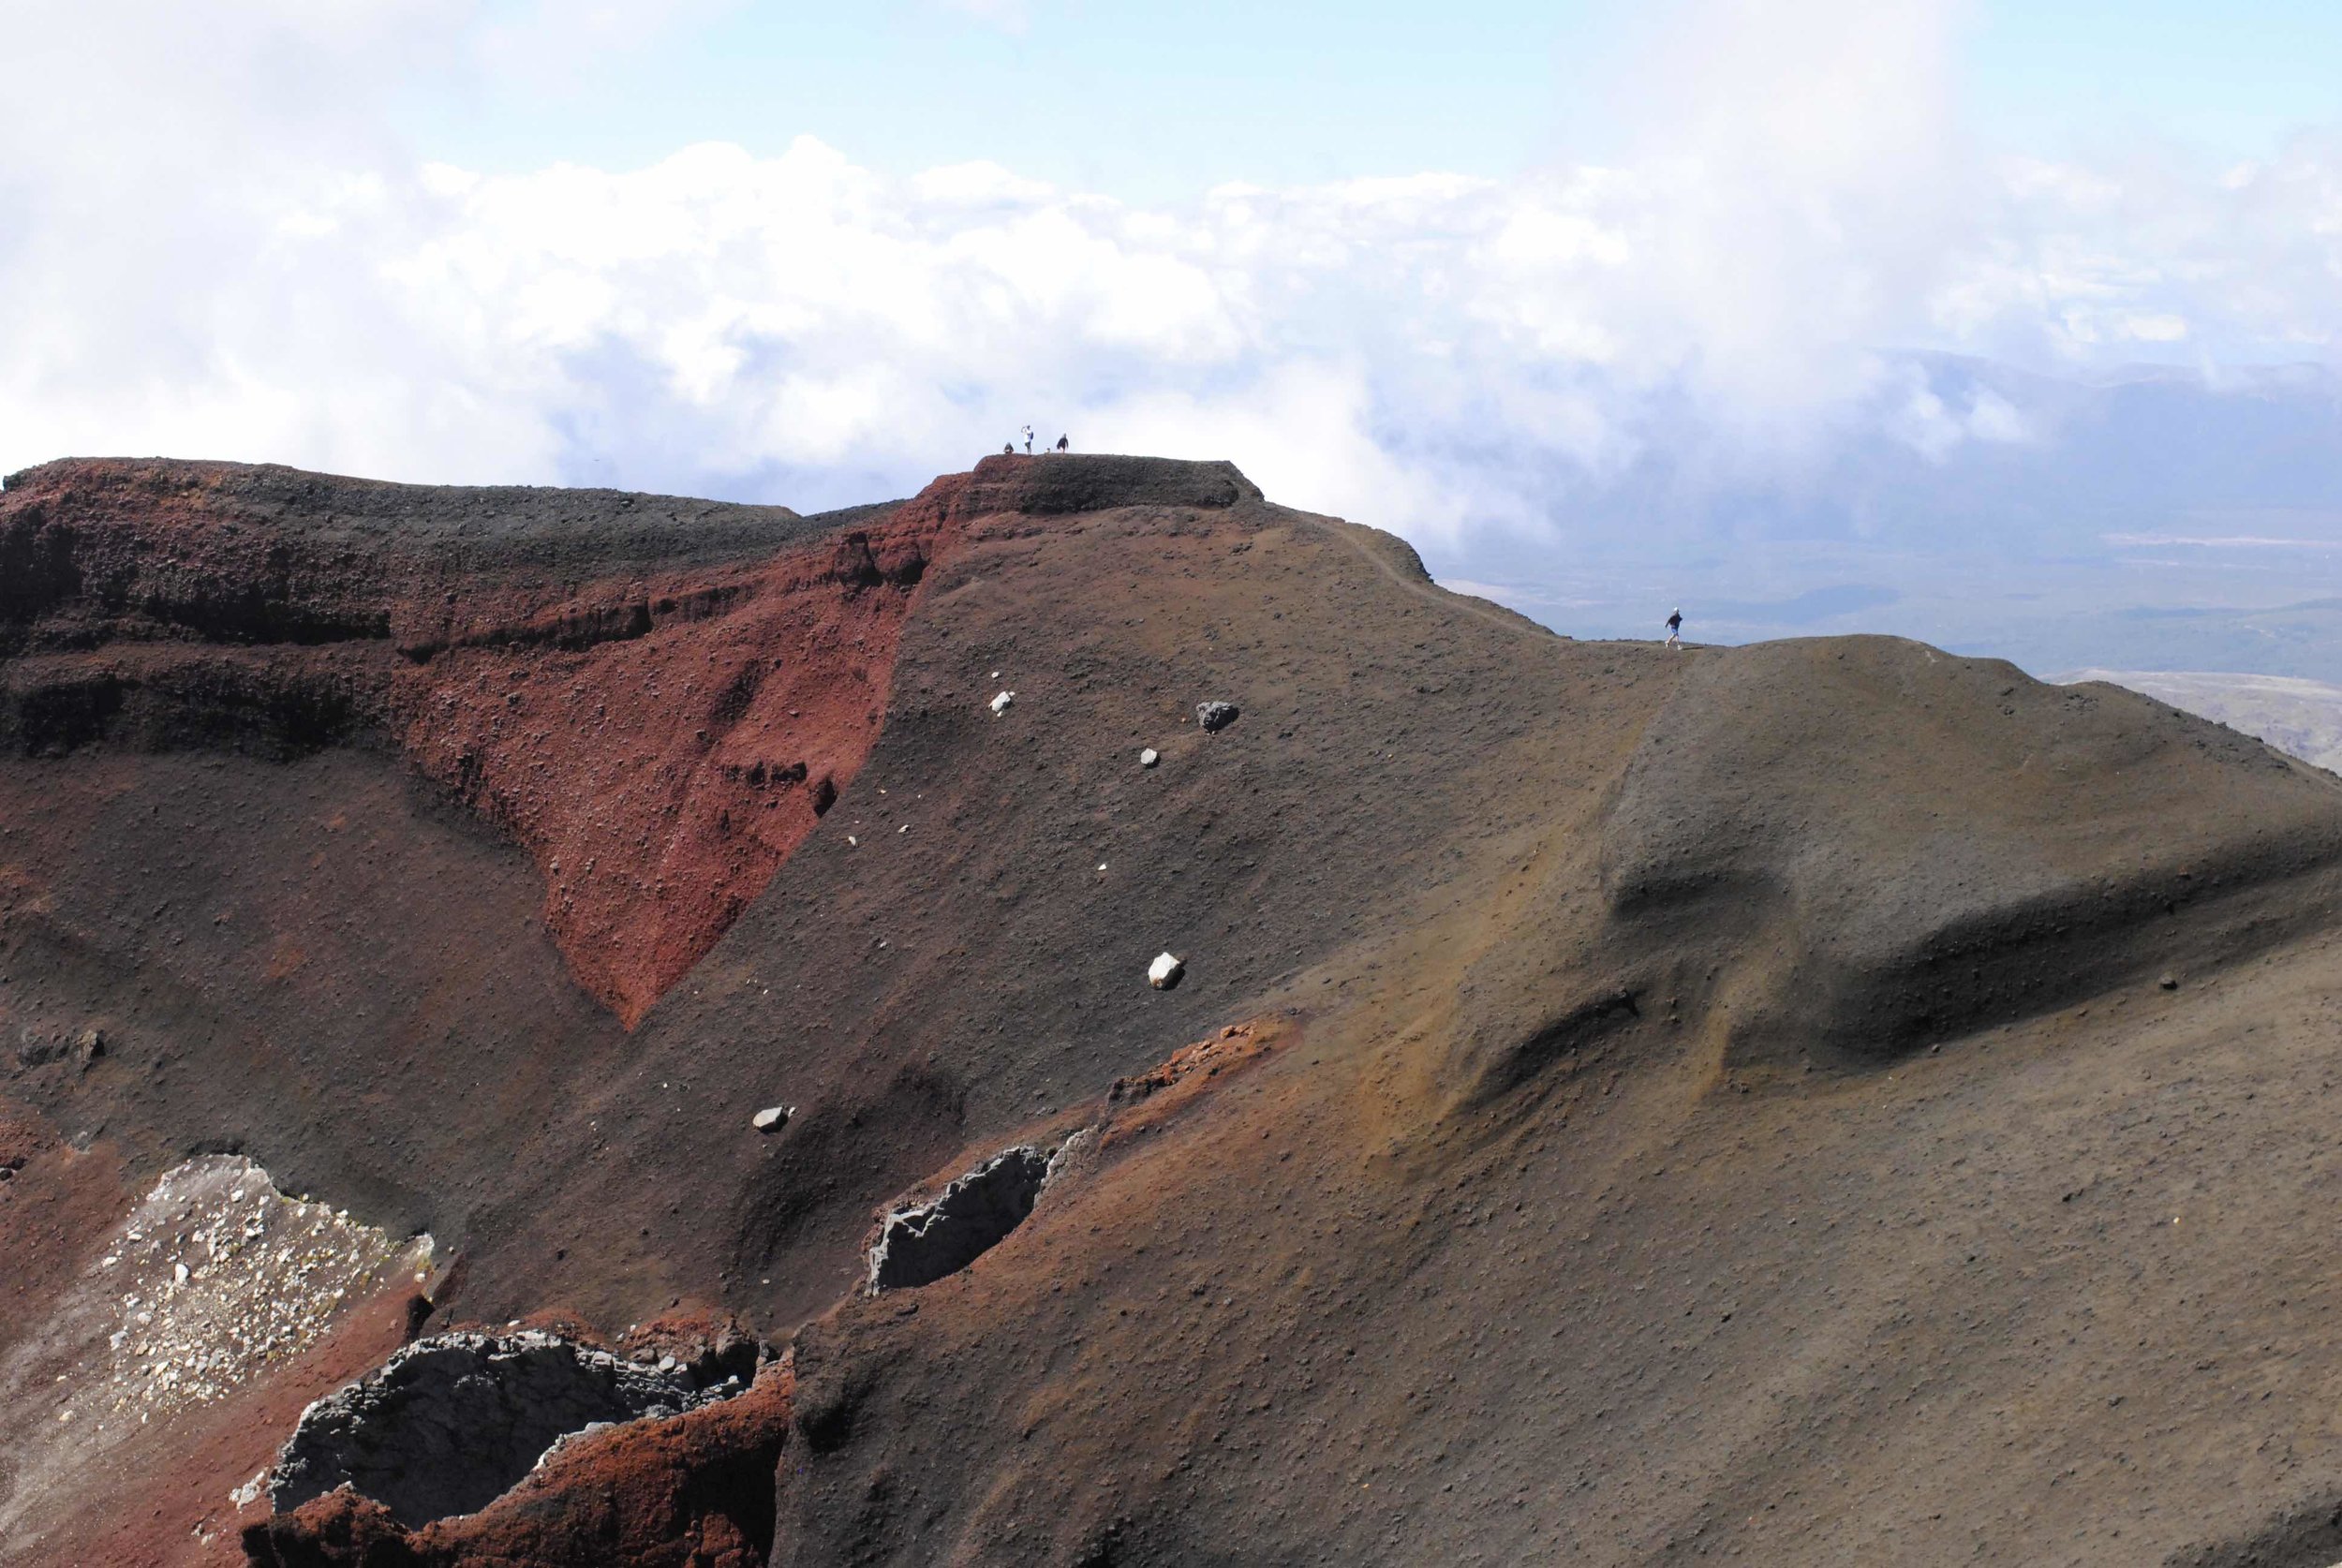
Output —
(1822, 1102)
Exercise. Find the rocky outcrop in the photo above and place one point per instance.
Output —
(693, 1490)
(921, 1243)
(1056, 485)
(452, 1422)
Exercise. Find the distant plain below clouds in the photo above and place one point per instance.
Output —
(2302, 718)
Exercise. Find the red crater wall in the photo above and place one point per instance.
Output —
(662, 751)
(656, 698)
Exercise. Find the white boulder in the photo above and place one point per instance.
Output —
(1164, 973)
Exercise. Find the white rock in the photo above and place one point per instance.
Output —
(1164, 971)
(772, 1119)
(1000, 703)
(1149, 757)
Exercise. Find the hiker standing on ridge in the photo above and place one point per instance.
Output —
(1675, 629)
(1064, 443)
(1029, 440)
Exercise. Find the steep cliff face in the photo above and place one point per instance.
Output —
(656, 699)
(1620, 1105)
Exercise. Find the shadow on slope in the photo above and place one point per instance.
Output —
(1837, 852)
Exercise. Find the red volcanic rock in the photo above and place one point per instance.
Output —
(658, 712)
(661, 751)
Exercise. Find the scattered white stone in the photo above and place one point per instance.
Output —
(1001, 704)
(1164, 973)
(211, 1305)
(772, 1119)
(1149, 757)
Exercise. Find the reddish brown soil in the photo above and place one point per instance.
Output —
(659, 780)
(55, 1207)
(1723, 1105)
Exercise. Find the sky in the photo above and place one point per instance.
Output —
(1309, 91)
(1521, 282)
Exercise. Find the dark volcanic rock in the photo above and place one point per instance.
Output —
(1057, 484)
(920, 1245)
(452, 1422)
(693, 1491)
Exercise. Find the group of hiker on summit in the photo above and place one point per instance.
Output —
(1008, 449)
(1064, 443)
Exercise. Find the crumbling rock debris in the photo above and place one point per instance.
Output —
(34, 1049)
(1231, 1047)
(772, 1119)
(920, 1245)
(1001, 704)
(1165, 972)
(449, 1423)
(214, 1282)
(1215, 717)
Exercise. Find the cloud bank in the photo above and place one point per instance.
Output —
(240, 262)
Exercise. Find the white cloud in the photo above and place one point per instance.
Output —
(218, 268)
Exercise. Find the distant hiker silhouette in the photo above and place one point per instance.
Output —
(1029, 440)
(1008, 449)
(1064, 443)
(1675, 628)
